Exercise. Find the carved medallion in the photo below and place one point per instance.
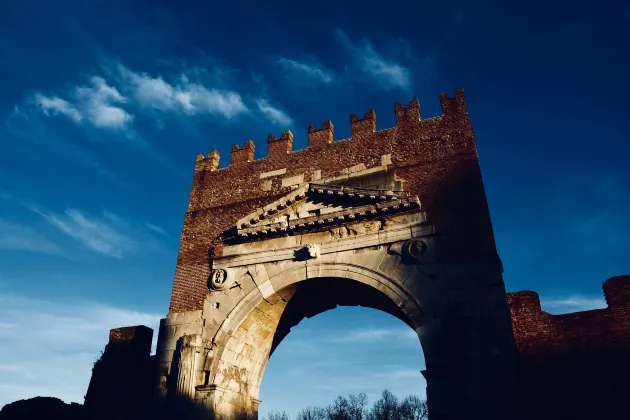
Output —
(412, 250)
(415, 249)
(220, 280)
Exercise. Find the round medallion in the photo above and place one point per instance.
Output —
(415, 249)
(219, 279)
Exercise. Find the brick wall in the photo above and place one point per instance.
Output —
(575, 365)
(436, 158)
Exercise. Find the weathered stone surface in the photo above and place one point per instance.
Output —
(338, 223)
(395, 220)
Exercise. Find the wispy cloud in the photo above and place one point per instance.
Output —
(156, 229)
(273, 114)
(98, 103)
(579, 216)
(56, 106)
(377, 334)
(183, 95)
(99, 234)
(106, 234)
(574, 303)
(17, 237)
(28, 127)
(55, 357)
(306, 72)
(368, 61)
(400, 381)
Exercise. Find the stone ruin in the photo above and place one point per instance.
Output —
(395, 220)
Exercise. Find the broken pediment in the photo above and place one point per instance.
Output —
(315, 206)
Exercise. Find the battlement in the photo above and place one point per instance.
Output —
(558, 354)
(537, 332)
(434, 159)
(409, 117)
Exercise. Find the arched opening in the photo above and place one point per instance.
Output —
(315, 296)
(343, 351)
(260, 326)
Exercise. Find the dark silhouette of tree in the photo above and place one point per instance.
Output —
(354, 407)
(41, 408)
(413, 408)
(277, 415)
(312, 413)
(351, 408)
(386, 408)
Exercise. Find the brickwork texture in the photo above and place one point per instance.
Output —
(436, 159)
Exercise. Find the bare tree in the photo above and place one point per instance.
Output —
(386, 408)
(413, 408)
(354, 407)
(277, 415)
(339, 410)
(358, 406)
(312, 413)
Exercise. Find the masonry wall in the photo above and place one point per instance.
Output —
(123, 378)
(436, 159)
(575, 365)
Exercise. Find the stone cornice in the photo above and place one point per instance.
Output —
(243, 254)
(362, 203)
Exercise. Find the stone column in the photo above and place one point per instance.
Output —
(189, 349)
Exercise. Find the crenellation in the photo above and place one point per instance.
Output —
(244, 155)
(212, 160)
(363, 126)
(454, 107)
(617, 292)
(411, 114)
(200, 163)
(322, 137)
(277, 148)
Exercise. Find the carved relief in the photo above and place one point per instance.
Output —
(314, 207)
(412, 250)
(415, 249)
(313, 250)
(220, 280)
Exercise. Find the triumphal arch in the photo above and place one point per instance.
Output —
(395, 220)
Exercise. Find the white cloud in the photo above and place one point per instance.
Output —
(14, 236)
(370, 62)
(573, 303)
(156, 229)
(307, 71)
(30, 129)
(377, 334)
(54, 105)
(106, 234)
(99, 102)
(100, 234)
(183, 95)
(273, 114)
(48, 349)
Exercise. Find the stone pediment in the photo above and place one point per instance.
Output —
(315, 206)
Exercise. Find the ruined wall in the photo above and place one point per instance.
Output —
(123, 379)
(435, 159)
(575, 365)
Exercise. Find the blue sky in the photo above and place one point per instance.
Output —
(104, 105)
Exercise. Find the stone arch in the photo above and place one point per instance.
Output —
(245, 338)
